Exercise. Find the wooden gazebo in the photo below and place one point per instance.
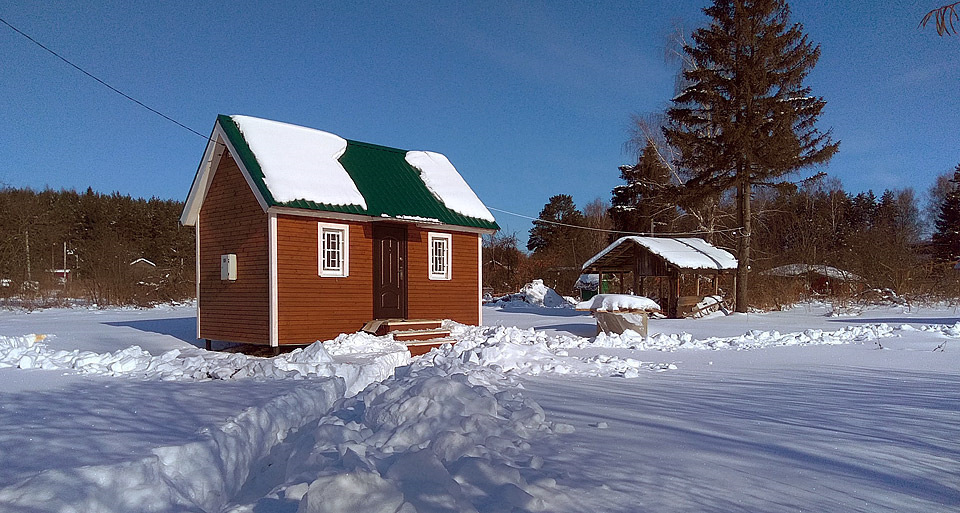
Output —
(668, 260)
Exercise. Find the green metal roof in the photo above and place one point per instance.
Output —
(390, 185)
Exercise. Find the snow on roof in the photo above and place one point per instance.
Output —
(791, 270)
(618, 303)
(685, 253)
(587, 282)
(443, 180)
(300, 162)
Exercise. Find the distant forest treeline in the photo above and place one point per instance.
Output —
(63, 245)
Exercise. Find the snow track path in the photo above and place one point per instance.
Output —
(197, 472)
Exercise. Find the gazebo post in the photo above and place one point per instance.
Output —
(674, 294)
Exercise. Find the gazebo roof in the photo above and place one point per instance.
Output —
(684, 254)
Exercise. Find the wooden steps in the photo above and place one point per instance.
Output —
(420, 335)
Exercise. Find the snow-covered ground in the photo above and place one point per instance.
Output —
(783, 411)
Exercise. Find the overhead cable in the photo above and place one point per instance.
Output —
(590, 228)
(91, 75)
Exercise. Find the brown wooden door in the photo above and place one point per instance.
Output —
(389, 271)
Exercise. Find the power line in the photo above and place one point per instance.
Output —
(643, 234)
(91, 75)
(181, 125)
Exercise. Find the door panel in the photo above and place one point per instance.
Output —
(389, 269)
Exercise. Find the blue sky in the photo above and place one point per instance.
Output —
(527, 99)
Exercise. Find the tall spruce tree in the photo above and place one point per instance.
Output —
(746, 117)
(946, 237)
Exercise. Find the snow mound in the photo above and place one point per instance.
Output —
(441, 435)
(947, 330)
(361, 359)
(754, 339)
(532, 352)
(535, 294)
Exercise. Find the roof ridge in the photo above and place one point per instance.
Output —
(377, 146)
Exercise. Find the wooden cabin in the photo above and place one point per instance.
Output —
(303, 235)
(672, 269)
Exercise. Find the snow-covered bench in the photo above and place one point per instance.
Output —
(616, 313)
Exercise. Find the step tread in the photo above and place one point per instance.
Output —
(431, 342)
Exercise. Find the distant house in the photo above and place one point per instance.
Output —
(143, 266)
(143, 263)
(819, 278)
(303, 235)
(668, 261)
(62, 275)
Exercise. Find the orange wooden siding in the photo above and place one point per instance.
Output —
(231, 221)
(312, 307)
(457, 298)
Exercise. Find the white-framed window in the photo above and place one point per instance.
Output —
(334, 250)
(440, 247)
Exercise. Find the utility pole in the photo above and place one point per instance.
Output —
(65, 275)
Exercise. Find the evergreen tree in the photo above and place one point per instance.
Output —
(746, 117)
(644, 202)
(550, 235)
(946, 237)
(561, 245)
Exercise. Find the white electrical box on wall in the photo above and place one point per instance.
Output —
(228, 267)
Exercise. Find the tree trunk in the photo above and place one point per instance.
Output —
(743, 242)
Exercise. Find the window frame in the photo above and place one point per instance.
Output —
(447, 239)
(344, 248)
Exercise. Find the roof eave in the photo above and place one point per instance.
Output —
(216, 144)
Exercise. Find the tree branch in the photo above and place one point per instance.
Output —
(944, 18)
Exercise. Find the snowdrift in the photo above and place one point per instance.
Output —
(534, 294)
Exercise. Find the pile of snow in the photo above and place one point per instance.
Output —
(442, 435)
(361, 359)
(618, 303)
(531, 352)
(299, 162)
(947, 330)
(755, 339)
(443, 180)
(536, 294)
(202, 474)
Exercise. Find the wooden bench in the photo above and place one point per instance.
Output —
(621, 319)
